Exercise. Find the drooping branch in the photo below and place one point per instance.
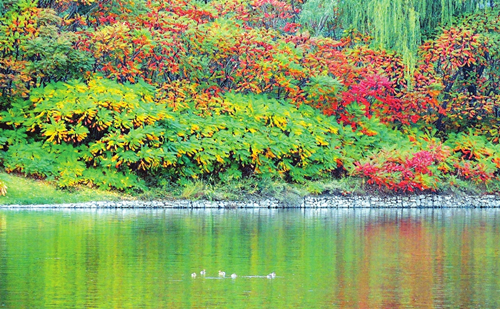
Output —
(399, 25)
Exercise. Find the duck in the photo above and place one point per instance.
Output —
(222, 273)
(203, 273)
(234, 276)
(193, 275)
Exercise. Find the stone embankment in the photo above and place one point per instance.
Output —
(323, 201)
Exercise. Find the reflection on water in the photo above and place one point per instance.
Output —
(338, 258)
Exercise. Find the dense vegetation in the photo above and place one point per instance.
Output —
(134, 94)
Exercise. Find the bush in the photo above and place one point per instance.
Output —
(86, 132)
(66, 128)
(425, 163)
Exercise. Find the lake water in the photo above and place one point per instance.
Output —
(322, 258)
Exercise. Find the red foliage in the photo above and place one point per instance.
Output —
(401, 173)
(255, 47)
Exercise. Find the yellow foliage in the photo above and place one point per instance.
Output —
(3, 188)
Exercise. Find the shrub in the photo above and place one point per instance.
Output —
(76, 125)
(243, 135)
(425, 163)
(105, 133)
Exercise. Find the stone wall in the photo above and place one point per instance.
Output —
(323, 201)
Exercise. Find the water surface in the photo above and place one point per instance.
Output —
(338, 258)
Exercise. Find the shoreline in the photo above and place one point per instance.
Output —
(320, 201)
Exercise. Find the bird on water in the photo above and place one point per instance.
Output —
(271, 275)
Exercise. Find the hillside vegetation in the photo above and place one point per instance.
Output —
(139, 96)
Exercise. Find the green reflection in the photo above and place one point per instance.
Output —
(323, 258)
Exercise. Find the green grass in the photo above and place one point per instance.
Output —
(251, 189)
(26, 191)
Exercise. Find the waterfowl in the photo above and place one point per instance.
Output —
(271, 275)
(193, 275)
(222, 273)
(202, 272)
(234, 276)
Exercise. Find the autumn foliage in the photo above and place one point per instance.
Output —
(123, 85)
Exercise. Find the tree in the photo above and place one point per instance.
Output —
(34, 50)
(399, 25)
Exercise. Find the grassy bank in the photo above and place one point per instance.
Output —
(22, 190)
(25, 191)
